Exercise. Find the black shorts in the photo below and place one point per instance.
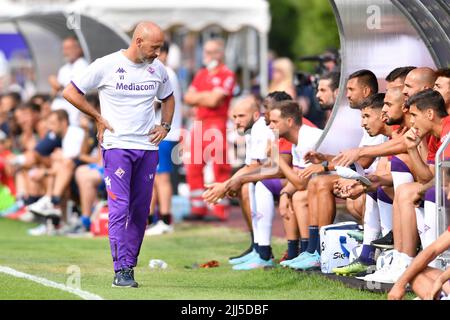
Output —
(47, 145)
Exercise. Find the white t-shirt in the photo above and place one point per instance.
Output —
(126, 92)
(65, 75)
(257, 140)
(367, 140)
(307, 140)
(72, 142)
(174, 133)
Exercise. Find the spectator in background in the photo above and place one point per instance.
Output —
(162, 189)
(283, 77)
(210, 93)
(75, 64)
(327, 91)
(8, 103)
(44, 101)
(4, 72)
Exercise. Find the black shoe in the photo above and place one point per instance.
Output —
(124, 278)
(387, 242)
(193, 217)
(250, 249)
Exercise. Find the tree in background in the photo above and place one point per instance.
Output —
(302, 27)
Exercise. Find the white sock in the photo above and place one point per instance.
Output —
(385, 210)
(372, 224)
(430, 224)
(420, 224)
(251, 192)
(265, 208)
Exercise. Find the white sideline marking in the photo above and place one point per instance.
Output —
(48, 283)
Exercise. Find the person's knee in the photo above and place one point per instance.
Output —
(405, 192)
(300, 197)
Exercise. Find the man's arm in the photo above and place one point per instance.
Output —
(419, 264)
(209, 99)
(421, 170)
(77, 99)
(388, 148)
(158, 133)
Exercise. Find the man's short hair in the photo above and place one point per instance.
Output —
(30, 106)
(400, 72)
(15, 96)
(444, 72)
(289, 109)
(61, 114)
(334, 77)
(375, 101)
(367, 78)
(428, 99)
(279, 96)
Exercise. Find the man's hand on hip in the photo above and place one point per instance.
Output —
(157, 134)
(102, 125)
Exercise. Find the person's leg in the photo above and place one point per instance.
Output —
(430, 218)
(384, 201)
(356, 207)
(244, 200)
(409, 234)
(88, 179)
(321, 200)
(221, 167)
(423, 282)
(300, 206)
(194, 171)
(142, 178)
(118, 164)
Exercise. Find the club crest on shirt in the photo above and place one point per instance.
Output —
(119, 172)
(151, 70)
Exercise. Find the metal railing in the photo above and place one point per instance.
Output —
(442, 210)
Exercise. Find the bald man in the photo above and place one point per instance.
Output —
(248, 121)
(210, 94)
(75, 64)
(128, 81)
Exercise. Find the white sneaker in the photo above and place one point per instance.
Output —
(44, 207)
(159, 228)
(382, 275)
(398, 268)
(45, 229)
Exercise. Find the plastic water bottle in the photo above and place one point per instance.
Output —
(157, 264)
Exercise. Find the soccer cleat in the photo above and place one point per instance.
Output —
(308, 263)
(301, 256)
(159, 228)
(124, 278)
(45, 229)
(383, 275)
(45, 208)
(255, 263)
(386, 242)
(356, 234)
(351, 269)
(252, 254)
(247, 251)
(284, 257)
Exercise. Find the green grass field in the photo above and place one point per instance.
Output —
(50, 258)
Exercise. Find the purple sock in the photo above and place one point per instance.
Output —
(367, 255)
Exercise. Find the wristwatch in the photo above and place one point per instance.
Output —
(325, 165)
(166, 126)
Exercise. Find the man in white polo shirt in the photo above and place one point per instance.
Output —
(75, 64)
(128, 81)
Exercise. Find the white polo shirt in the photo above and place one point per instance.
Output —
(307, 139)
(257, 140)
(72, 142)
(65, 75)
(126, 91)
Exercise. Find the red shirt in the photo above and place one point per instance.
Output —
(284, 146)
(308, 123)
(224, 79)
(434, 143)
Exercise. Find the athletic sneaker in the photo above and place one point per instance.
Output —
(386, 242)
(45, 229)
(44, 207)
(301, 256)
(356, 234)
(124, 278)
(252, 254)
(398, 268)
(383, 275)
(308, 263)
(247, 251)
(353, 268)
(158, 228)
(255, 263)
